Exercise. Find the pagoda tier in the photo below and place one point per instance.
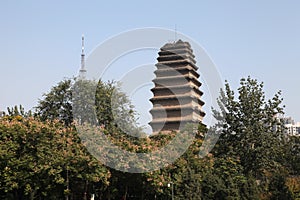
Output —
(176, 95)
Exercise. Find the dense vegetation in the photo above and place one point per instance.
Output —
(42, 156)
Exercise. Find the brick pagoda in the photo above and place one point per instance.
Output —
(177, 98)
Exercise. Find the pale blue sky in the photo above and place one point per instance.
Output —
(40, 42)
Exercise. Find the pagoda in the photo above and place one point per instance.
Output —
(177, 98)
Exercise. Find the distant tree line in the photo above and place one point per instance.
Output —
(43, 157)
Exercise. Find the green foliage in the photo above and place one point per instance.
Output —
(89, 102)
(35, 158)
(44, 158)
(292, 152)
(279, 188)
(253, 135)
(83, 101)
(18, 111)
(226, 180)
(213, 188)
(57, 104)
(250, 128)
(114, 109)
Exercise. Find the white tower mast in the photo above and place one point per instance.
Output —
(82, 71)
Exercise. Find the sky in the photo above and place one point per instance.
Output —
(41, 41)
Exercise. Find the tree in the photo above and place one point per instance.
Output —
(45, 160)
(292, 152)
(114, 109)
(185, 174)
(97, 103)
(251, 130)
(83, 101)
(279, 188)
(57, 104)
(252, 133)
(44, 157)
(18, 111)
(92, 105)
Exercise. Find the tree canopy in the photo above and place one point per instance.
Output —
(43, 157)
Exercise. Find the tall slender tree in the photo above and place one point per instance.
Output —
(251, 130)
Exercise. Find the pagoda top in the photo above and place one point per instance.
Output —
(178, 43)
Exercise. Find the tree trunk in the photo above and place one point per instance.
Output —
(85, 190)
(125, 195)
(67, 196)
